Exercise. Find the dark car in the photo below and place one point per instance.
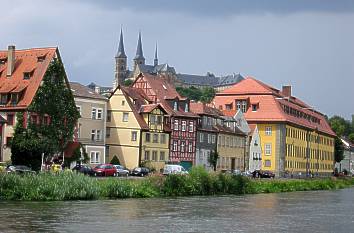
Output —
(121, 171)
(140, 171)
(266, 174)
(84, 169)
(20, 169)
(105, 170)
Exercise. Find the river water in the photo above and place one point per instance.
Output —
(320, 211)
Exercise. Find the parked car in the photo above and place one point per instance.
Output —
(20, 169)
(121, 171)
(105, 170)
(84, 169)
(140, 171)
(266, 174)
(174, 169)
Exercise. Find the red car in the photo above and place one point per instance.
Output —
(105, 170)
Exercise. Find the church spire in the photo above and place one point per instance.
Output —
(121, 52)
(156, 61)
(139, 57)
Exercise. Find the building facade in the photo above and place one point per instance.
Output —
(91, 126)
(347, 164)
(295, 138)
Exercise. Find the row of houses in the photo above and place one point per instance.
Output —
(251, 125)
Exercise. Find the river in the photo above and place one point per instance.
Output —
(320, 211)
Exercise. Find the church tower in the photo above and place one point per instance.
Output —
(121, 63)
(156, 61)
(139, 57)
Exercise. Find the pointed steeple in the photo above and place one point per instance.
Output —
(121, 52)
(156, 61)
(139, 57)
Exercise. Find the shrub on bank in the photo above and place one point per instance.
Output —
(72, 186)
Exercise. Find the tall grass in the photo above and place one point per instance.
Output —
(72, 186)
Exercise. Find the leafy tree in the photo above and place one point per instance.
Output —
(208, 94)
(351, 137)
(205, 95)
(128, 82)
(79, 155)
(213, 159)
(115, 160)
(50, 137)
(340, 126)
(338, 150)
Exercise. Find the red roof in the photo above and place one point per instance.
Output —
(204, 109)
(26, 61)
(271, 106)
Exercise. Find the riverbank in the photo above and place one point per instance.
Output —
(72, 186)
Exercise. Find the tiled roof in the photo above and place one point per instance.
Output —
(149, 107)
(203, 109)
(270, 102)
(26, 60)
(80, 90)
(225, 129)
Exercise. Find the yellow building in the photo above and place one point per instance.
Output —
(295, 139)
(135, 130)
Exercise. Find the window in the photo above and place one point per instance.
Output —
(79, 109)
(162, 155)
(93, 113)
(201, 137)
(152, 119)
(191, 126)
(175, 145)
(108, 132)
(183, 146)
(147, 137)
(163, 138)
(8, 141)
(93, 135)
(98, 135)
(186, 109)
(213, 137)
(159, 120)
(26, 75)
(184, 125)
(268, 148)
(176, 125)
(123, 102)
(99, 114)
(109, 115)
(155, 138)
(154, 155)
(10, 119)
(95, 157)
(238, 105)
(228, 106)
(267, 163)
(268, 130)
(209, 138)
(175, 106)
(190, 146)
(125, 116)
(244, 106)
(147, 155)
(254, 107)
(4, 99)
(14, 98)
(134, 135)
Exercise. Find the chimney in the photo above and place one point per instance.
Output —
(10, 60)
(286, 91)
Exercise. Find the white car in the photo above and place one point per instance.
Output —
(174, 169)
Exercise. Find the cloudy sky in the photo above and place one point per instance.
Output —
(306, 43)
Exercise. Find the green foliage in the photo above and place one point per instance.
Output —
(115, 160)
(53, 99)
(128, 82)
(338, 150)
(342, 127)
(205, 95)
(351, 137)
(73, 186)
(79, 155)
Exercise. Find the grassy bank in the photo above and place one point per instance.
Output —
(71, 186)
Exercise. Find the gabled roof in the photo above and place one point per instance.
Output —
(271, 103)
(203, 109)
(34, 61)
(80, 90)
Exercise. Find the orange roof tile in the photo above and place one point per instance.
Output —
(25, 61)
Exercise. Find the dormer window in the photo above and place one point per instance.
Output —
(241, 104)
(4, 99)
(2, 61)
(254, 107)
(186, 109)
(41, 58)
(27, 75)
(175, 106)
(14, 98)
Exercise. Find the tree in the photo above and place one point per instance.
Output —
(351, 137)
(128, 82)
(213, 159)
(205, 95)
(340, 126)
(208, 94)
(55, 108)
(338, 150)
(115, 160)
(79, 155)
